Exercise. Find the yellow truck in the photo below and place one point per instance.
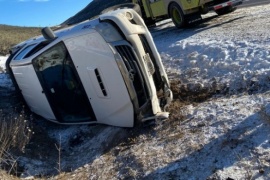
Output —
(182, 12)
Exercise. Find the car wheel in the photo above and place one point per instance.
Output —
(225, 10)
(177, 15)
(150, 22)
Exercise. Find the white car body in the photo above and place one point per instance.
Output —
(105, 70)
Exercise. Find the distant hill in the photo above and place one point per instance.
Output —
(92, 9)
(12, 35)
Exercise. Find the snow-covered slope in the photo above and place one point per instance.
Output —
(231, 53)
(226, 136)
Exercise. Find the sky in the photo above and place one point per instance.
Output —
(38, 13)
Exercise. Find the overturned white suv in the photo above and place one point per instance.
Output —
(105, 70)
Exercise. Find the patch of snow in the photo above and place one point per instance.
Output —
(230, 64)
(230, 140)
(4, 78)
(2, 62)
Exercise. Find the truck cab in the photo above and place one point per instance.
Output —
(183, 12)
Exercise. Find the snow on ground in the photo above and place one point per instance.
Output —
(231, 53)
(226, 136)
(2, 61)
(4, 79)
(218, 139)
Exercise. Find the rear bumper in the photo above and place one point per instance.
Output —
(225, 4)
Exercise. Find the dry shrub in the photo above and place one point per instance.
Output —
(15, 132)
(5, 176)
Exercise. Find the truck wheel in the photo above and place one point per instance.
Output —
(225, 10)
(150, 22)
(133, 6)
(177, 15)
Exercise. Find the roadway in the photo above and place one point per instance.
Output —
(248, 3)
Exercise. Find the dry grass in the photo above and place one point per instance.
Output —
(15, 132)
(5, 176)
(12, 35)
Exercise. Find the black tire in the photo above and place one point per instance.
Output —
(150, 22)
(177, 15)
(225, 10)
(133, 6)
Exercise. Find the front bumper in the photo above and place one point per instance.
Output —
(134, 29)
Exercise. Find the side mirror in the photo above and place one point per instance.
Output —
(48, 33)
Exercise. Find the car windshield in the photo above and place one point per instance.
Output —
(62, 85)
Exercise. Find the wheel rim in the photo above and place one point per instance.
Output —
(176, 16)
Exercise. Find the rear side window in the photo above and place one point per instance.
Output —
(23, 52)
(31, 49)
(37, 48)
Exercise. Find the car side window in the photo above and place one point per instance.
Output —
(21, 54)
